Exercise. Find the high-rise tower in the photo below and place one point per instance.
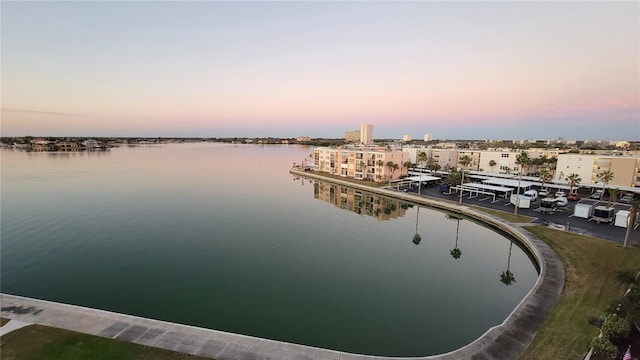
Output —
(366, 134)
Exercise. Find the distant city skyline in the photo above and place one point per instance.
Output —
(456, 70)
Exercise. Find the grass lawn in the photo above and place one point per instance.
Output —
(36, 342)
(590, 265)
(3, 321)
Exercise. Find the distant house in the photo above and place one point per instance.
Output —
(40, 144)
(68, 146)
(303, 138)
(39, 141)
(352, 136)
(91, 144)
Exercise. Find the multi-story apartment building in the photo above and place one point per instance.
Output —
(625, 169)
(361, 163)
(505, 161)
(445, 158)
(474, 155)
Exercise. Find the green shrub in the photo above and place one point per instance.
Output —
(604, 348)
(615, 327)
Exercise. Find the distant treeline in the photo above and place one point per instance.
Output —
(8, 140)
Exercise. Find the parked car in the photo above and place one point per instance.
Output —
(627, 199)
(561, 194)
(562, 201)
(543, 192)
(596, 194)
(573, 197)
(531, 195)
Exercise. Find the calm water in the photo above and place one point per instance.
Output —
(223, 237)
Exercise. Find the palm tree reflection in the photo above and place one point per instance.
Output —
(417, 238)
(507, 277)
(456, 252)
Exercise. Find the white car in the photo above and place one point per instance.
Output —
(627, 199)
(561, 194)
(543, 192)
(562, 201)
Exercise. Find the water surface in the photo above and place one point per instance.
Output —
(222, 236)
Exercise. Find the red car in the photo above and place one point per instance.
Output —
(574, 197)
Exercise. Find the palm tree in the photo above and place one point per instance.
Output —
(524, 161)
(605, 176)
(417, 237)
(507, 277)
(407, 164)
(613, 196)
(392, 167)
(453, 178)
(492, 163)
(422, 157)
(456, 253)
(434, 166)
(573, 180)
(631, 220)
(545, 177)
(464, 161)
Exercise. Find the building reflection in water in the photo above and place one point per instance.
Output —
(360, 201)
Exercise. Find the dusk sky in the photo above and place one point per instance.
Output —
(457, 70)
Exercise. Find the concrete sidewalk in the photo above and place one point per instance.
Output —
(161, 334)
(12, 325)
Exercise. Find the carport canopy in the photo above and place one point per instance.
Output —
(508, 182)
(422, 178)
(498, 189)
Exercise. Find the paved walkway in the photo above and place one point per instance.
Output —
(12, 325)
(505, 341)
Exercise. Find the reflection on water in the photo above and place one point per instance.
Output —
(386, 208)
(507, 276)
(360, 201)
(417, 237)
(456, 253)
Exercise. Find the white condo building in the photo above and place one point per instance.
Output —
(626, 169)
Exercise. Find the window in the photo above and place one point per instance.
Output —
(505, 155)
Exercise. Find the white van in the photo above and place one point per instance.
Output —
(532, 195)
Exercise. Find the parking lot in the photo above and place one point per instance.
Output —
(562, 219)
